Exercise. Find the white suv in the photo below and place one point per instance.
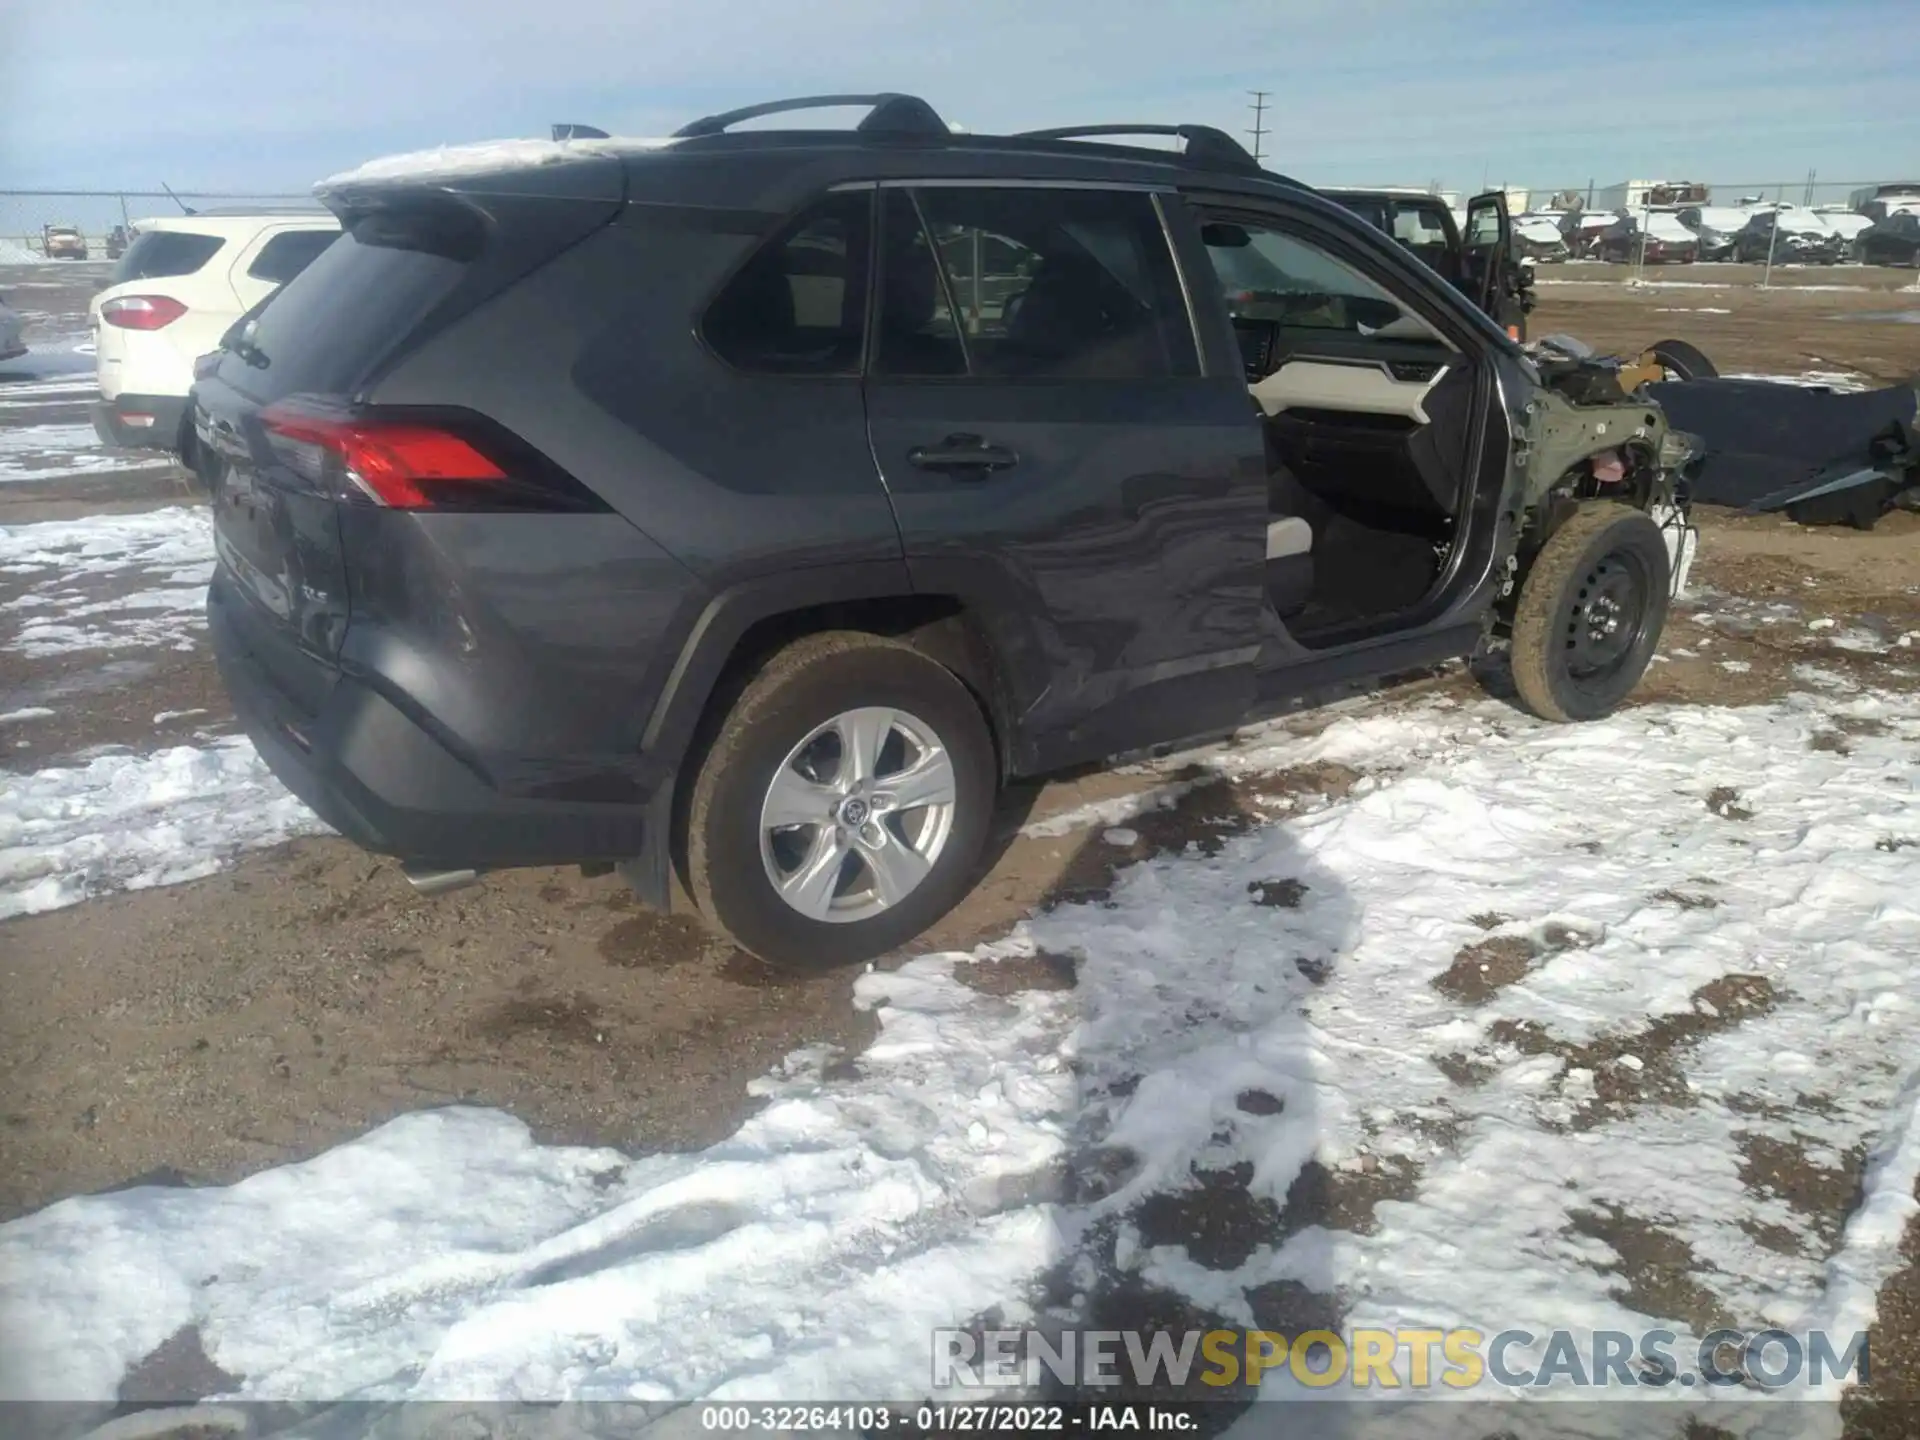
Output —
(180, 285)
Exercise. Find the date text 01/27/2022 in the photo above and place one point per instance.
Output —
(943, 1419)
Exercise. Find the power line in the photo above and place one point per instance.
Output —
(1259, 108)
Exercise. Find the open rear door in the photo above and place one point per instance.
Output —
(1490, 272)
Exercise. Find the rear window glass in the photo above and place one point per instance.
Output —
(1417, 225)
(798, 307)
(288, 253)
(1374, 212)
(160, 254)
(330, 324)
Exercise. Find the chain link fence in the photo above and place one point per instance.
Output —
(1809, 191)
(1728, 208)
(1719, 206)
(26, 215)
(1597, 193)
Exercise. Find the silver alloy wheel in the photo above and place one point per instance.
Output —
(856, 815)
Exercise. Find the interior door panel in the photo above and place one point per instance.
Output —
(1366, 444)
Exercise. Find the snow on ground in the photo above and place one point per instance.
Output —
(1719, 285)
(1716, 935)
(54, 452)
(12, 252)
(39, 364)
(120, 821)
(41, 394)
(155, 564)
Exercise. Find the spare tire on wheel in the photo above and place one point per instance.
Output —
(1682, 361)
(1590, 613)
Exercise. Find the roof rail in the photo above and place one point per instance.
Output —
(887, 114)
(1207, 148)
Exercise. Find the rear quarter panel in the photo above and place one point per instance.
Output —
(563, 628)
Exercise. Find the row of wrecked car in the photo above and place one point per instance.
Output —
(1753, 234)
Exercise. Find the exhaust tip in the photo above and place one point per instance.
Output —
(438, 882)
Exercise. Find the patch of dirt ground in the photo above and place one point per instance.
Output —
(1785, 329)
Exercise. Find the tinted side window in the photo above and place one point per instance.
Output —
(919, 333)
(1374, 212)
(1057, 284)
(1270, 276)
(161, 254)
(288, 253)
(1422, 228)
(799, 305)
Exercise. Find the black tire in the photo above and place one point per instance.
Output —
(1682, 360)
(1590, 613)
(800, 689)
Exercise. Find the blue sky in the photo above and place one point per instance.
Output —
(273, 94)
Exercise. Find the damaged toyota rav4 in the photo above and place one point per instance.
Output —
(743, 510)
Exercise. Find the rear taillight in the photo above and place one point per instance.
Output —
(392, 464)
(413, 461)
(142, 312)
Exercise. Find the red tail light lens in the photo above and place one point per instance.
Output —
(417, 459)
(142, 312)
(391, 463)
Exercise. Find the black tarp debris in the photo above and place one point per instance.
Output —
(1824, 456)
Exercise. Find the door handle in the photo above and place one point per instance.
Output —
(963, 453)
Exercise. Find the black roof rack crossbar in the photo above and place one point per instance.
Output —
(887, 114)
(1207, 148)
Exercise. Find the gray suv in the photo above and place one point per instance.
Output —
(743, 512)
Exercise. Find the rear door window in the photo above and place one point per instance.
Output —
(163, 254)
(799, 305)
(1022, 282)
(1416, 225)
(1374, 212)
(285, 255)
(1270, 276)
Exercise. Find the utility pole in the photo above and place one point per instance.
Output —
(1259, 108)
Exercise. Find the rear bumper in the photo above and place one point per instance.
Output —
(384, 782)
(140, 422)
